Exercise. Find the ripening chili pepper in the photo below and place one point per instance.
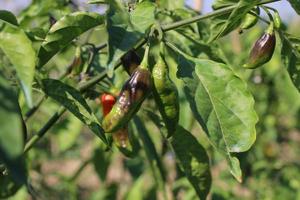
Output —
(107, 101)
(130, 61)
(132, 95)
(120, 136)
(165, 94)
(263, 49)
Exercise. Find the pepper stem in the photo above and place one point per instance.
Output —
(144, 64)
(270, 29)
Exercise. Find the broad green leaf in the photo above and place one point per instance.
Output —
(11, 132)
(220, 102)
(64, 31)
(71, 99)
(296, 5)
(193, 160)
(290, 53)
(222, 25)
(8, 17)
(126, 29)
(18, 48)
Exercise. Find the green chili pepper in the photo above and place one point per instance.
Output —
(277, 20)
(165, 94)
(132, 95)
(250, 20)
(262, 50)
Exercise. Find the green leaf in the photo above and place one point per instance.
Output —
(71, 99)
(18, 48)
(11, 132)
(223, 103)
(8, 186)
(296, 5)
(125, 30)
(224, 24)
(151, 153)
(193, 160)
(8, 17)
(220, 102)
(290, 54)
(136, 188)
(64, 31)
(101, 161)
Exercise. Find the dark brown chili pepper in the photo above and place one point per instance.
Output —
(263, 49)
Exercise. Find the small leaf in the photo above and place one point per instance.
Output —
(125, 30)
(291, 57)
(97, 2)
(11, 132)
(64, 31)
(296, 5)
(194, 161)
(18, 48)
(235, 168)
(8, 17)
(71, 99)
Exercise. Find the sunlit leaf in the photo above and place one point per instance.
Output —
(64, 31)
(18, 48)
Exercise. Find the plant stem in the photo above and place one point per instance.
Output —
(45, 128)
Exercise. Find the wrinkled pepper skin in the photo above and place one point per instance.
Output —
(166, 95)
(120, 136)
(133, 93)
(130, 61)
(262, 50)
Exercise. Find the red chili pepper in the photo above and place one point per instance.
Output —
(107, 101)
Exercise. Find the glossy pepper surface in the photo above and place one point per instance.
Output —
(263, 49)
(166, 95)
(133, 93)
